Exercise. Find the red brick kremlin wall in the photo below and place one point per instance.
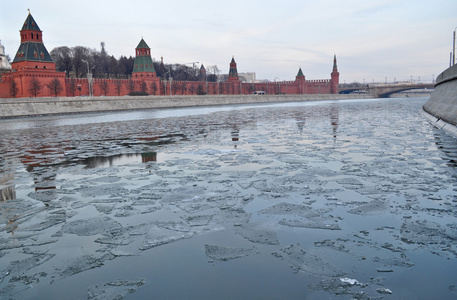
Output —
(121, 87)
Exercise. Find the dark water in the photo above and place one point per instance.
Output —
(315, 200)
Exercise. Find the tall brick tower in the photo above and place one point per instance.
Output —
(301, 81)
(202, 74)
(33, 69)
(300, 75)
(32, 53)
(335, 78)
(233, 73)
(143, 66)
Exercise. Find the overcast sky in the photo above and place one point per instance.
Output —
(373, 39)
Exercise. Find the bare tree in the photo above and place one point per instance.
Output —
(175, 87)
(118, 84)
(104, 86)
(72, 86)
(183, 87)
(131, 86)
(62, 56)
(55, 87)
(35, 86)
(192, 88)
(200, 90)
(213, 73)
(144, 86)
(153, 87)
(80, 54)
(13, 88)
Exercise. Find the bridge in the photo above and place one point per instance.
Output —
(382, 91)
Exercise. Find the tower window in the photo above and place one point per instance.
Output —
(32, 35)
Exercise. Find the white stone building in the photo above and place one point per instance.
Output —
(4, 63)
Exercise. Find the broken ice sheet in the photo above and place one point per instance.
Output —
(84, 263)
(256, 233)
(114, 289)
(152, 241)
(90, 226)
(304, 261)
(284, 208)
(198, 220)
(310, 224)
(227, 253)
(184, 194)
(368, 208)
(423, 232)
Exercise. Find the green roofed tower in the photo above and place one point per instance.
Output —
(233, 72)
(32, 52)
(300, 75)
(143, 65)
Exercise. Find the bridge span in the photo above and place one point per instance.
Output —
(383, 91)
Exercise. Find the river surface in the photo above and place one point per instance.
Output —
(313, 200)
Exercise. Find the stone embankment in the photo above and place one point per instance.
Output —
(23, 107)
(441, 108)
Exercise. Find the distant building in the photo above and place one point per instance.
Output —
(4, 63)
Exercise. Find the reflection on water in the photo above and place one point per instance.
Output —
(118, 160)
(447, 145)
(7, 193)
(7, 189)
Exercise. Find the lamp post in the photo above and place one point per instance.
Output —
(453, 47)
(89, 77)
(171, 80)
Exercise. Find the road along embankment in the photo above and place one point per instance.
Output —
(441, 108)
(23, 107)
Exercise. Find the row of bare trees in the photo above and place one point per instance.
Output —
(35, 87)
(77, 60)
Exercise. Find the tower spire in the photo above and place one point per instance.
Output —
(143, 65)
(335, 78)
(233, 72)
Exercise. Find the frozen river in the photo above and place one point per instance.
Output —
(312, 200)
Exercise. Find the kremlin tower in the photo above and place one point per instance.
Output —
(233, 73)
(335, 78)
(143, 66)
(33, 70)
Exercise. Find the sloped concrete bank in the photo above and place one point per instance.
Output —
(441, 108)
(11, 108)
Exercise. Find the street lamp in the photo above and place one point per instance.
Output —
(89, 77)
(453, 47)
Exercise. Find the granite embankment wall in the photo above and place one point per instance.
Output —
(10, 108)
(441, 108)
